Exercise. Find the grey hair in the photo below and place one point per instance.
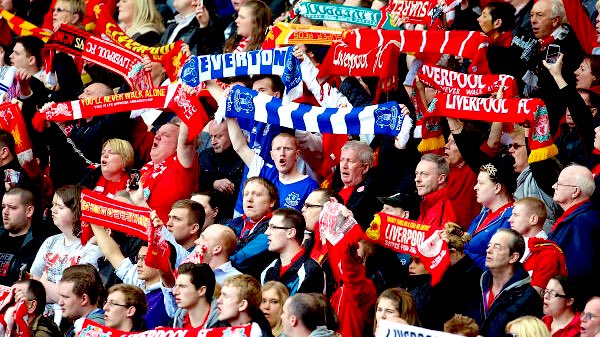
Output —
(363, 151)
(558, 10)
(440, 162)
(585, 182)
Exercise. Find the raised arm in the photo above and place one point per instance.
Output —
(238, 141)
(108, 246)
(185, 148)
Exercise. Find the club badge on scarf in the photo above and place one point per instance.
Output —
(11, 120)
(409, 237)
(329, 12)
(384, 118)
(98, 209)
(119, 60)
(90, 328)
(171, 97)
(452, 82)
(510, 110)
(286, 34)
(159, 251)
(25, 28)
(279, 61)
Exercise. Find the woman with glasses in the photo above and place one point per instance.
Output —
(527, 326)
(494, 188)
(125, 307)
(560, 317)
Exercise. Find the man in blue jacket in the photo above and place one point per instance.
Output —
(577, 231)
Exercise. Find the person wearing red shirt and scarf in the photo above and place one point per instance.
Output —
(431, 176)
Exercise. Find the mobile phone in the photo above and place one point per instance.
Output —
(552, 53)
(134, 179)
(11, 176)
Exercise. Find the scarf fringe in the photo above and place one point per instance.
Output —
(431, 144)
(542, 153)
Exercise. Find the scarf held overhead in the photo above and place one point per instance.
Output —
(279, 61)
(384, 118)
(11, 120)
(330, 12)
(286, 34)
(90, 328)
(25, 28)
(511, 110)
(452, 82)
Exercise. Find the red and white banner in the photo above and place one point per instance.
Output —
(90, 328)
(287, 34)
(373, 60)
(452, 82)
(412, 11)
(514, 110)
(387, 328)
(410, 237)
(11, 120)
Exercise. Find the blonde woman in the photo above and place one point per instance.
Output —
(527, 326)
(116, 160)
(68, 12)
(141, 21)
(396, 305)
(274, 295)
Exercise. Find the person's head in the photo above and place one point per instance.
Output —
(457, 240)
(495, 182)
(145, 273)
(452, 153)
(399, 204)
(35, 295)
(184, 7)
(591, 99)
(216, 241)
(68, 12)
(27, 54)
(138, 16)
(497, 17)
(117, 156)
(462, 325)
(125, 307)
(546, 16)
(559, 296)
(195, 284)
(431, 174)
(518, 149)
(219, 136)
(285, 230)
(241, 296)
(274, 295)
(95, 90)
(416, 267)
(186, 219)
(313, 205)
(66, 209)
(208, 200)
(7, 147)
(259, 198)
(590, 318)
(397, 305)
(17, 211)
(254, 18)
(271, 85)
(237, 4)
(285, 153)
(575, 184)
(506, 248)
(165, 142)
(302, 314)
(527, 326)
(528, 216)
(355, 160)
(588, 73)
(79, 291)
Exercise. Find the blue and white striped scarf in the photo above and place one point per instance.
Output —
(7, 74)
(278, 61)
(386, 118)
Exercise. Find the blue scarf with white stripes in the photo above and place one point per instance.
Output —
(278, 61)
(386, 118)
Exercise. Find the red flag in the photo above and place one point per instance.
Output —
(158, 251)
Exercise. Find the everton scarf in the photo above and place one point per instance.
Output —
(172, 97)
(409, 237)
(375, 119)
(7, 75)
(279, 61)
(511, 110)
(285, 34)
(456, 83)
(24, 28)
(90, 328)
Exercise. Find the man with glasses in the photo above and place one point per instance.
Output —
(34, 294)
(505, 286)
(311, 210)
(293, 267)
(590, 318)
(577, 231)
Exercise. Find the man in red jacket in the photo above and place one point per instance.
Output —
(431, 176)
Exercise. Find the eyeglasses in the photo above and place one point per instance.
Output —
(551, 293)
(307, 205)
(272, 227)
(588, 316)
(567, 185)
(60, 10)
(112, 304)
(515, 146)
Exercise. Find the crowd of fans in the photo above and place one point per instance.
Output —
(523, 238)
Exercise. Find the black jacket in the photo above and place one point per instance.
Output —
(202, 41)
(22, 257)
(252, 253)
(303, 276)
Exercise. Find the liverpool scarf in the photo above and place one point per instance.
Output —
(456, 83)
(24, 28)
(11, 120)
(511, 110)
(412, 11)
(171, 97)
(90, 328)
(279, 61)
(68, 39)
(409, 237)
(286, 34)
(384, 118)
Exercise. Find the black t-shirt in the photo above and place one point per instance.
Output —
(9, 246)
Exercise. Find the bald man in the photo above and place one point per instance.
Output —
(577, 231)
(216, 243)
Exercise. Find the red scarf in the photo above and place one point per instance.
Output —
(452, 82)
(285, 34)
(241, 47)
(24, 28)
(110, 188)
(11, 120)
(249, 224)
(93, 329)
